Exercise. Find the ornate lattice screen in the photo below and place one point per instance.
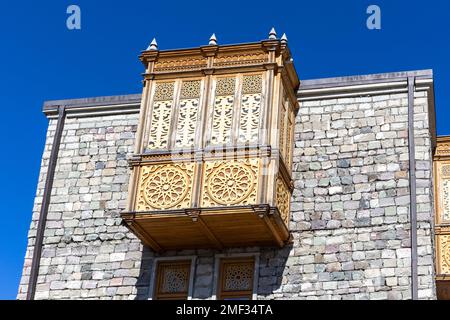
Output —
(175, 110)
(236, 278)
(172, 280)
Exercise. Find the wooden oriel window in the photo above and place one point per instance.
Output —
(172, 280)
(236, 278)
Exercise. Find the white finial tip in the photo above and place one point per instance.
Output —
(272, 34)
(213, 40)
(153, 45)
(284, 38)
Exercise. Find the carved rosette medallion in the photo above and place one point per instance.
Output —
(165, 187)
(230, 183)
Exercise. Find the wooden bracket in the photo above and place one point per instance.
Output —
(261, 210)
(196, 217)
(146, 238)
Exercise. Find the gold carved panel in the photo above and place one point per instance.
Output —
(286, 126)
(282, 126)
(165, 186)
(164, 91)
(283, 199)
(184, 64)
(229, 60)
(250, 109)
(446, 199)
(443, 192)
(228, 183)
(443, 149)
(252, 84)
(161, 115)
(445, 171)
(188, 113)
(223, 110)
(444, 254)
(289, 141)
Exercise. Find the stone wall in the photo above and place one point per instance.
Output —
(86, 252)
(351, 200)
(349, 221)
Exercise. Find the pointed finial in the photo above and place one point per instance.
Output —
(284, 38)
(153, 45)
(213, 40)
(272, 34)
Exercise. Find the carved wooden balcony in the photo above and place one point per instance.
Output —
(213, 156)
(442, 218)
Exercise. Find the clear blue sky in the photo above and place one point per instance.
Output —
(40, 59)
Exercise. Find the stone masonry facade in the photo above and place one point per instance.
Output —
(349, 212)
(351, 198)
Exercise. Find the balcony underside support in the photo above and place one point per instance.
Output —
(214, 228)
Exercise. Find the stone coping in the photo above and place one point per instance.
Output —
(313, 89)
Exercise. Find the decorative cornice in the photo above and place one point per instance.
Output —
(218, 59)
(442, 147)
(240, 58)
(193, 62)
(200, 155)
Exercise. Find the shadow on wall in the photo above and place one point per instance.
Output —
(143, 281)
(272, 265)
